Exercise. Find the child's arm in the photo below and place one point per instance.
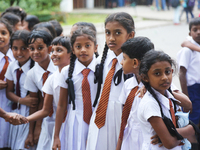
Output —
(29, 140)
(3, 84)
(28, 101)
(185, 101)
(190, 45)
(60, 114)
(48, 100)
(183, 81)
(160, 128)
(38, 123)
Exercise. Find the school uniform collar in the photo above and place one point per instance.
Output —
(25, 68)
(9, 54)
(111, 55)
(165, 100)
(39, 70)
(133, 83)
(79, 66)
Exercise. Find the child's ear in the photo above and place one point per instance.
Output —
(49, 49)
(189, 33)
(135, 63)
(96, 47)
(73, 51)
(131, 35)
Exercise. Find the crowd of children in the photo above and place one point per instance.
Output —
(57, 93)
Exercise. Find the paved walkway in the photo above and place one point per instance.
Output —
(146, 17)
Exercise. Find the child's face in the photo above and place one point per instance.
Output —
(160, 76)
(4, 36)
(195, 33)
(116, 35)
(84, 49)
(20, 52)
(39, 51)
(60, 56)
(127, 64)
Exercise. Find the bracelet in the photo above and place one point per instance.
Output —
(18, 103)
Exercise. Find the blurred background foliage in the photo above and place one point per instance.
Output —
(45, 9)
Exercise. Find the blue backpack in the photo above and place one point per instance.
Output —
(174, 3)
(191, 3)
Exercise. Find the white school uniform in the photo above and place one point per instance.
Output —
(148, 108)
(51, 87)
(190, 60)
(132, 132)
(18, 134)
(75, 131)
(33, 83)
(106, 137)
(4, 104)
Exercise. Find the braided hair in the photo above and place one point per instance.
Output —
(150, 58)
(91, 35)
(128, 23)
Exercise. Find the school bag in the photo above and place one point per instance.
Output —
(191, 3)
(174, 3)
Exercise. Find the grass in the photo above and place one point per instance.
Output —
(85, 17)
(93, 18)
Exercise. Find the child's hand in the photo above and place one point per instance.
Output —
(3, 84)
(56, 144)
(156, 140)
(16, 119)
(37, 133)
(29, 101)
(29, 141)
(141, 91)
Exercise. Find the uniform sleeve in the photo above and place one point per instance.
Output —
(48, 85)
(29, 82)
(63, 77)
(184, 57)
(149, 109)
(8, 74)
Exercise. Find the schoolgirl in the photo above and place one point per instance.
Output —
(105, 121)
(60, 55)
(79, 92)
(39, 42)
(16, 72)
(156, 111)
(6, 56)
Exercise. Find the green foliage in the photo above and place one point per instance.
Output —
(45, 10)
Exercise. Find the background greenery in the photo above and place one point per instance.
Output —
(50, 9)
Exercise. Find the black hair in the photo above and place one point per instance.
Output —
(11, 18)
(91, 35)
(42, 33)
(32, 20)
(137, 47)
(47, 25)
(7, 24)
(57, 27)
(127, 22)
(64, 41)
(17, 11)
(84, 24)
(194, 22)
(147, 61)
(20, 35)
